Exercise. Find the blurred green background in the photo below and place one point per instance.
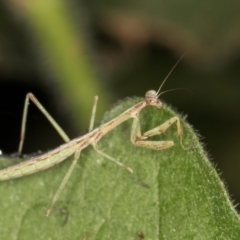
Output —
(65, 52)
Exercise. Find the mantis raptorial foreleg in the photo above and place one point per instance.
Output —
(138, 139)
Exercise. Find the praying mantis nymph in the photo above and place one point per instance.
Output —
(76, 145)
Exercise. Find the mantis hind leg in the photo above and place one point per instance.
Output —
(63, 183)
(61, 132)
(31, 97)
(70, 170)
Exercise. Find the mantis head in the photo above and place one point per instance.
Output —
(151, 98)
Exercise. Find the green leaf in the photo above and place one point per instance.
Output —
(185, 199)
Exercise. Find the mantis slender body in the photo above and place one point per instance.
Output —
(76, 145)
